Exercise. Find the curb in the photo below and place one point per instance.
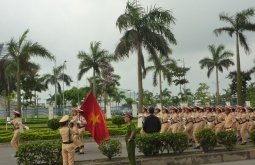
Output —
(185, 159)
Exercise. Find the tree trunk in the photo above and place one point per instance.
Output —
(94, 83)
(217, 87)
(140, 80)
(160, 89)
(18, 87)
(8, 114)
(238, 75)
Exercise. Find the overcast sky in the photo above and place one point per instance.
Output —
(65, 27)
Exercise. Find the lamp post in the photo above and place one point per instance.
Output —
(63, 87)
(183, 62)
(55, 83)
(37, 98)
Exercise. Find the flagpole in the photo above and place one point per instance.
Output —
(63, 87)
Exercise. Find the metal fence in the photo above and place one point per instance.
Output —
(44, 112)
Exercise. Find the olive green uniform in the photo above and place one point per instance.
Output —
(131, 144)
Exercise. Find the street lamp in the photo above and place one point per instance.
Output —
(63, 87)
(55, 77)
(183, 67)
(37, 98)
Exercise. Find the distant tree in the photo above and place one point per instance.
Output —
(202, 93)
(220, 59)
(245, 75)
(21, 51)
(92, 61)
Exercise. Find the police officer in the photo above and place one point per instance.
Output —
(81, 129)
(17, 123)
(129, 138)
(67, 147)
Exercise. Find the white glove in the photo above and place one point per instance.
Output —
(204, 117)
(192, 116)
(185, 126)
(79, 121)
(27, 128)
(208, 123)
(214, 114)
(8, 122)
(71, 121)
(179, 122)
(237, 118)
(254, 122)
(169, 121)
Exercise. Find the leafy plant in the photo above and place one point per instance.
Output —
(178, 142)
(228, 139)
(207, 139)
(110, 147)
(53, 124)
(252, 136)
(149, 143)
(118, 120)
(40, 152)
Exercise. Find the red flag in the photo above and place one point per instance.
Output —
(96, 123)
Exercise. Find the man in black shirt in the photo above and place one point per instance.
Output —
(151, 123)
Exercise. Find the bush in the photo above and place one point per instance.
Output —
(207, 139)
(118, 120)
(178, 142)
(40, 153)
(110, 147)
(149, 143)
(252, 136)
(53, 124)
(228, 139)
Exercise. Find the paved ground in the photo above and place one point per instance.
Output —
(91, 152)
(243, 162)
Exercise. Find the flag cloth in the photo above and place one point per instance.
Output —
(96, 123)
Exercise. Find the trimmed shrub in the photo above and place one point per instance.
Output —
(53, 124)
(110, 147)
(40, 153)
(207, 139)
(178, 142)
(228, 139)
(252, 136)
(118, 120)
(149, 143)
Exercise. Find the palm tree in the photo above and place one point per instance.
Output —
(21, 51)
(92, 61)
(240, 22)
(166, 93)
(144, 29)
(160, 68)
(118, 96)
(220, 59)
(57, 76)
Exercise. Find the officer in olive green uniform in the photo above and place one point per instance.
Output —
(130, 139)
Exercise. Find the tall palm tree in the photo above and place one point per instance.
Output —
(144, 29)
(57, 76)
(166, 93)
(92, 61)
(160, 68)
(220, 59)
(21, 51)
(240, 22)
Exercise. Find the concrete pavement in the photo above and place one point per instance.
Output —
(243, 162)
(91, 152)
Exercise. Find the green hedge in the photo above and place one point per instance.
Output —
(40, 153)
(47, 134)
(153, 143)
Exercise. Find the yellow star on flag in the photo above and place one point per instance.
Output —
(95, 119)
